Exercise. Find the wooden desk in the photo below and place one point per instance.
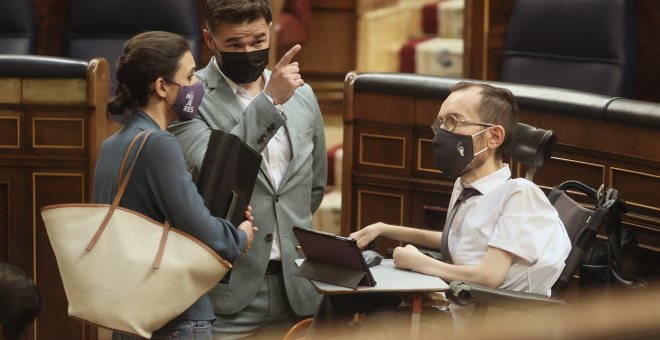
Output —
(389, 279)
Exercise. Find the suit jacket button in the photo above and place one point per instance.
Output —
(269, 238)
(271, 128)
(262, 139)
(277, 198)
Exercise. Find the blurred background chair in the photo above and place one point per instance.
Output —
(586, 45)
(100, 28)
(17, 27)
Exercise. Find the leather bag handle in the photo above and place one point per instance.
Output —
(122, 182)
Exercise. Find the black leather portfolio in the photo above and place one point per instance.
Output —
(229, 172)
(332, 259)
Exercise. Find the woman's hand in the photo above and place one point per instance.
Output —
(248, 214)
(248, 228)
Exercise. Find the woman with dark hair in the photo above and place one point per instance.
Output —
(157, 86)
(19, 301)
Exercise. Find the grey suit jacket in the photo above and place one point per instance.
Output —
(161, 188)
(292, 204)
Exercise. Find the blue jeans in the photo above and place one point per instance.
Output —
(184, 330)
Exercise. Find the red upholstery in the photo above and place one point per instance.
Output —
(407, 54)
(293, 26)
(331, 163)
(430, 18)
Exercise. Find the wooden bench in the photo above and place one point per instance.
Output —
(52, 123)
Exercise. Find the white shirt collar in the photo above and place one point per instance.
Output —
(489, 183)
(232, 84)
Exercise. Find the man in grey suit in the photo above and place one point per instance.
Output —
(277, 114)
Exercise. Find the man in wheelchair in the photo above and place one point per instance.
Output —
(501, 232)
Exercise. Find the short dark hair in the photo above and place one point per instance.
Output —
(497, 106)
(19, 301)
(235, 12)
(145, 58)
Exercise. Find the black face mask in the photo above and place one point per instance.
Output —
(453, 152)
(244, 67)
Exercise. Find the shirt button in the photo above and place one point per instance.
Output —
(269, 238)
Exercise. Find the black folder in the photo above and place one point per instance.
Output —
(332, 259)
(227, 177)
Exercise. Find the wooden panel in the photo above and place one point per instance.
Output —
(428, 209)
(53, 188)
(640, 190)
(379, 204)
(14, 231)
(426, 110)
(383, 150)
(647, 76)
(55, 91)
(10, 133)
(384, 108)
(597, 135)
(425, 159)
(5, 220)
(560, 169)
(58, 133)
(331, 47)
(10, 90)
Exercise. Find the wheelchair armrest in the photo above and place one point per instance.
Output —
(464, 293)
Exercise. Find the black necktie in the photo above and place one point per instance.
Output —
(444, 244)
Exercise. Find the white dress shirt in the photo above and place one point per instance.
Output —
(513, 215)
(277, 152)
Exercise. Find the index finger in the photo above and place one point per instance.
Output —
(288, 56)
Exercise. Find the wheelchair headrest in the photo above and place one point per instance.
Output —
(531, 146)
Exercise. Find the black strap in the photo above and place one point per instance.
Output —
(444, 244)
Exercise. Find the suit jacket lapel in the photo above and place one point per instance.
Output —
(222, 92)
(292, 129)
(231, 106)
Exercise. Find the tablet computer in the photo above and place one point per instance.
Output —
(332, 259)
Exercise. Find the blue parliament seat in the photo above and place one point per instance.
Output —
(100, 28)
(17, 27)
(585, 45)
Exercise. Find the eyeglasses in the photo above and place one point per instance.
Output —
(450, 122)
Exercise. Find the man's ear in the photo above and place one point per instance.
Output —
(208, 39)
(497, 136)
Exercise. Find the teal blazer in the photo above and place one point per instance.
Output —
(161, 188)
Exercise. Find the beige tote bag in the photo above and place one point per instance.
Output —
(124, 271)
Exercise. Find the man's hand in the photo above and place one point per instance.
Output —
(405, 257)
(285, 78)
(366, 234)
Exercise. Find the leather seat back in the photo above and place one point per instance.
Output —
(17, 27)
(100, 28)
(586, 45)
